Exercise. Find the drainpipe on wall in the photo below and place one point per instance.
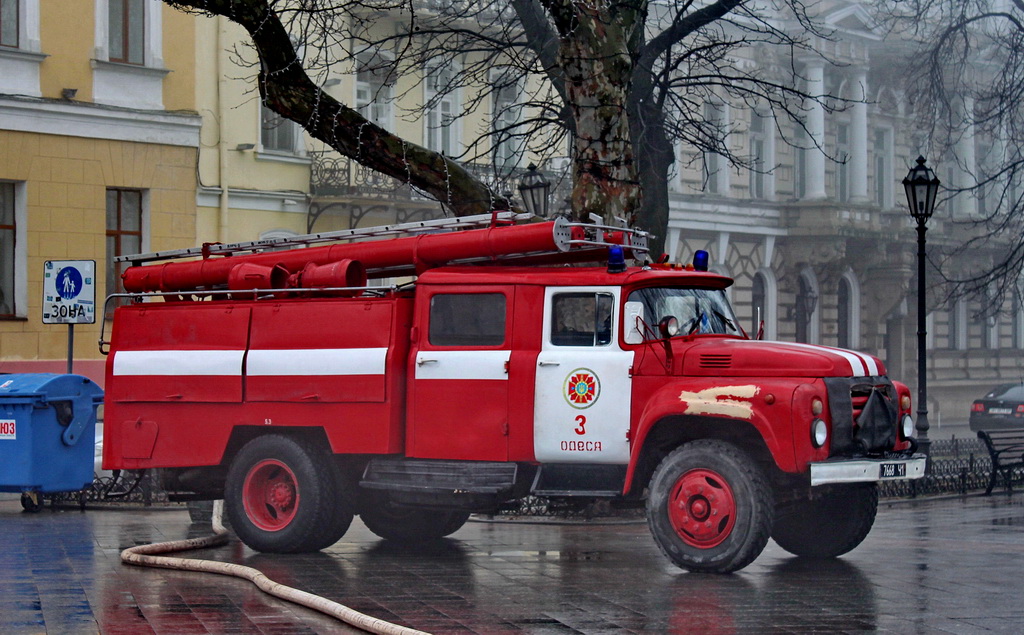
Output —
(222, 148)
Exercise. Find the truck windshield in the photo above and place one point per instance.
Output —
(697, 310)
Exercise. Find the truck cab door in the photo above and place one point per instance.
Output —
(583, 386)
(458, 397)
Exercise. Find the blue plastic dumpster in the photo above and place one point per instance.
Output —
(47, 434)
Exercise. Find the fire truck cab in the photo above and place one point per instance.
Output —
(283, 383)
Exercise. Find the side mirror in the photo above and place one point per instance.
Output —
(633, 322)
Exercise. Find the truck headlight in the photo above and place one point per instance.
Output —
(819, 433)
(906, 427)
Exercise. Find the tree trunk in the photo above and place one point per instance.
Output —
(597, 67)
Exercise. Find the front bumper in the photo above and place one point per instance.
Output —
(867, 470)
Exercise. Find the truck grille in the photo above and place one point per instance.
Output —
(864, 415)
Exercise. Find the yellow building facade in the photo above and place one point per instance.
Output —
(99, 141)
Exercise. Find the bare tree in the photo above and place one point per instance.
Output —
(613, 85)
(969, 100)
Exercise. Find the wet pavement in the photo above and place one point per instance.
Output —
(941, 566)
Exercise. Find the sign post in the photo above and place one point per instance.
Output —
(69, 296)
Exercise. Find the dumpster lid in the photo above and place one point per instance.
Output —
(47, 387)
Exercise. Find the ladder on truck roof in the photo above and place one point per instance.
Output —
(636, 242)
(478, 221)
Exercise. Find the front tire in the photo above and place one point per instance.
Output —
(834, 522)
(286, 495)
(408, 524)
(710, 507)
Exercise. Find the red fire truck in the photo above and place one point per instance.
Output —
(272, 375)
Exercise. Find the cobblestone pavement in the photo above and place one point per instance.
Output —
(949, 565)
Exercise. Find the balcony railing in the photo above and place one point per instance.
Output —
(334, 176)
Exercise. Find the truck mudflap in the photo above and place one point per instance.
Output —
(868, 470)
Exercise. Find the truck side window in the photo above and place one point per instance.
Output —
(581, 319)
(467, 319)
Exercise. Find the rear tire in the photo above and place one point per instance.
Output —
(834, 522)
(286, 495)
(408, 524)
(710, 507)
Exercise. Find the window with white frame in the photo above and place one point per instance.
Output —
(128, 68)
(8, 242)
(375, 81)
(883, 168)
(442, 102)
(277, 134)
(20, 48)
(505, 114)
(10, 23)
(843, 165)
(127, 31)
(124, 231)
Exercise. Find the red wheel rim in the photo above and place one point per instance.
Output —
(702, 509)
(270, 495)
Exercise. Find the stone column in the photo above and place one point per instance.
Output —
(968, 169)
(816, 130)
(859, 140)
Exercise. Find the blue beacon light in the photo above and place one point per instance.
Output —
(700, 260)
(616, 260)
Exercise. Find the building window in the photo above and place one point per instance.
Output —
(277, 134)
(1018, 321)
(763, 304)
(127, 31)
(441, 100)
(758, 298)
(883, 169)
(9, 23)
(759, 158)
(848, 319)
(958, 325)
(952, 182)
(843, 167)
(800, 164)
(124, 232)
(505, 114)
(8, 235)
(375, 80)
(843, 318)
(805, 309)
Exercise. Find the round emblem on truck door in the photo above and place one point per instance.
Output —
(582, 388)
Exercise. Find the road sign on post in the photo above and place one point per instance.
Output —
(69, 296)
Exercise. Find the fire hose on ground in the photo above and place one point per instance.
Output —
(151, 556)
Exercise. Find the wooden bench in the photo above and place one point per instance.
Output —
(1006, 448)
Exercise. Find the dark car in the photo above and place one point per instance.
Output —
(1000, 409)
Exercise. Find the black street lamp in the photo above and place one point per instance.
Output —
(922, 186)
(534, 189)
